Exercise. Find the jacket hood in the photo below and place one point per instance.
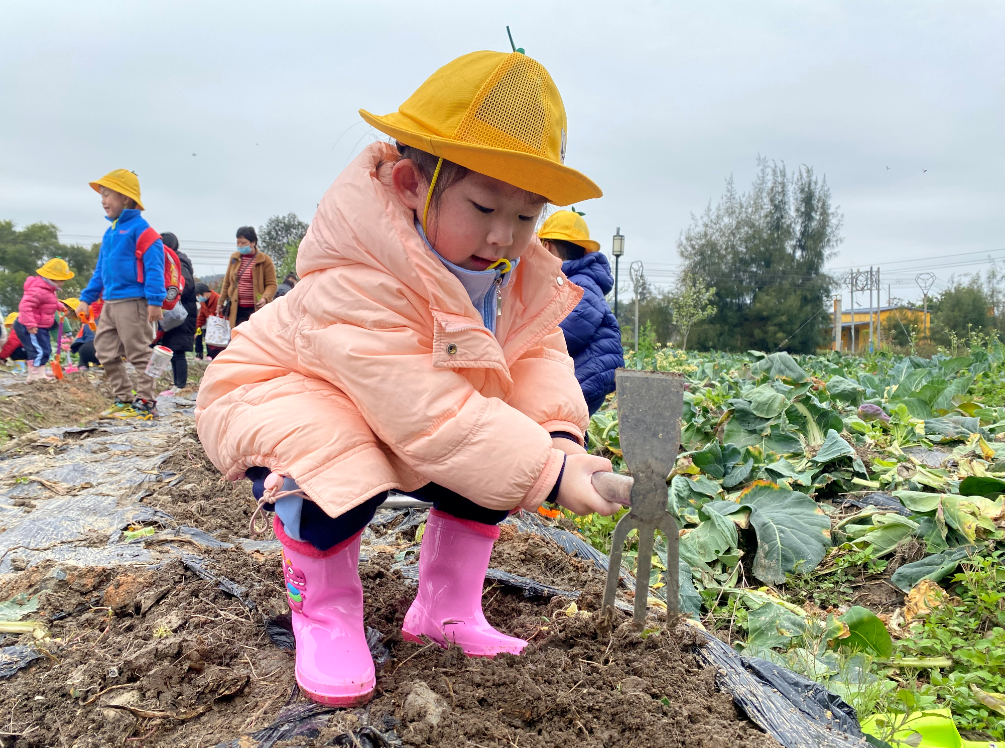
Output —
(37, 281)
(595, 266)
(361, 221)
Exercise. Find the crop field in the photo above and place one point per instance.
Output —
(844, 517)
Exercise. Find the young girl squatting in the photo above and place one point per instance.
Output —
(420, 352)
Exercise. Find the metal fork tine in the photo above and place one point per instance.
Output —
(625, 525)
(645, 562)
(669, 527)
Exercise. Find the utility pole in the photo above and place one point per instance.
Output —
(837, 323)
(925, 282)
(879, 310)
(871, 338)
(854, 277)
(860, 281)
(637, 273)
(617, 249)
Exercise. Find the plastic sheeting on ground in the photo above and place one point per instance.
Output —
(795, 711)
(70, 502)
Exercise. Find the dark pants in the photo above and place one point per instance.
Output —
(179, 369)
(243, 314)
(86, 356)
(324, 532)
(37, 347)
(198, 345)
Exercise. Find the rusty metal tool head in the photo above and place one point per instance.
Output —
(650, 404)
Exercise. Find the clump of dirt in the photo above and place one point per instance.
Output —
(584, 679)
(166, 658)
(70, 401)
(541, 559)
(155, 654)
(203, 497)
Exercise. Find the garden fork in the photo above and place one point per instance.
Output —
(650, 404)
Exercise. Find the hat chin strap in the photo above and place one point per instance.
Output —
(429, 194)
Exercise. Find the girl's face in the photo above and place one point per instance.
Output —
(477, 221)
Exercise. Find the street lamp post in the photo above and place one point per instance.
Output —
(617, 250)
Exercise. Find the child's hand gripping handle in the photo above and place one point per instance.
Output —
(613, 487)
(578, 492)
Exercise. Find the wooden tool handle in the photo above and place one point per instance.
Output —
(615, 488)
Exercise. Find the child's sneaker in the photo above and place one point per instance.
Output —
(116, 409)
(145, 409)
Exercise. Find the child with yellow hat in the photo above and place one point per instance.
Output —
(591, 332)
(37, 314)
(421, 352)
(129, 276)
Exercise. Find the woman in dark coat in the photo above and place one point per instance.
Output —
(181, 339)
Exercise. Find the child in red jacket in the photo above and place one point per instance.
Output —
(37, 314)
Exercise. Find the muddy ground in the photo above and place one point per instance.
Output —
(161, 655)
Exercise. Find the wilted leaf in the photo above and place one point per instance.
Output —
(765, 402)
(773, 626)
(780, 366)
(20, 606)
(845, 390)
(712, 538)
(833, 448)
(934, 567)
(921, 600)
(891, 530)
(690, 600)
(792, 532)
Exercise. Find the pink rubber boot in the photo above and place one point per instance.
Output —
(448, 609)
(334, 665)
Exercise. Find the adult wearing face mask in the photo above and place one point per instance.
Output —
(250, 280)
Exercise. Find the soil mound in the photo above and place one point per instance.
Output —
(166, 658)
(59, 402)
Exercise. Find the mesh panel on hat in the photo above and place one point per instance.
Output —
(511, 110)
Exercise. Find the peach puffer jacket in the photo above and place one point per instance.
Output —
(376, 371)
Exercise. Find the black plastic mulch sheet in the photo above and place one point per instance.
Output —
(883, 501)
(795, 711)
(16, 657)
(306, 721)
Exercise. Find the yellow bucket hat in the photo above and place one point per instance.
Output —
(496, 113)
(568, 226)
(71, 303)
(122, 181)
(10, 319)
(56, 269)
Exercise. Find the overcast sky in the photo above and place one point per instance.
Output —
(230, 112)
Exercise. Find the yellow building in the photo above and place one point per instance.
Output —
(890, 318)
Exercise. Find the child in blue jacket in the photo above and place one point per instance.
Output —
(130, 277)
(591, 332)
